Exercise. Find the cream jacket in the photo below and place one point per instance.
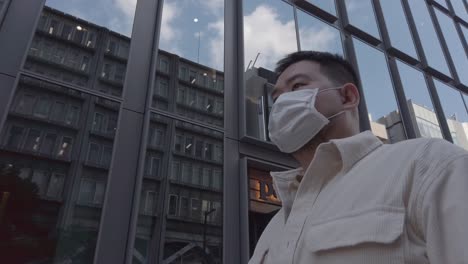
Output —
(363, 202)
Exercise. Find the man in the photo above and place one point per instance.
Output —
(355, 200)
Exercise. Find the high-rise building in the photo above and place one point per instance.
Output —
(137, 131)
(426, 125)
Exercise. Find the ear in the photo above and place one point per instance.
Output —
(350, 96)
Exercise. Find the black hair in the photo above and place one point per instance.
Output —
(333, 66)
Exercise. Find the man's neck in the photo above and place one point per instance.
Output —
(306, 154)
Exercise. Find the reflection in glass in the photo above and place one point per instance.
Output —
(378, 91)
(91, 51)
(443, 3)
(179, 187)
(328, 6)
(317, 35)
(429, 40)
(465, 32)
(190, 64)
(455, 112)
(455, 47)
(42, 153)
(397, 26)
(263, 47)
(460, 9)
(195, 190)
(422, 112)
(361, 14)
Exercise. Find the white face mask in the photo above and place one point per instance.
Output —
(294, 120)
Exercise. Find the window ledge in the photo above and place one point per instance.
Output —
(196, 186)
(213, 162)
(42, 120)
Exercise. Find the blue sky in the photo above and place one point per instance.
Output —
(269, 29)
(116, 15)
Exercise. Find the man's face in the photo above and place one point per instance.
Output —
(306, 75)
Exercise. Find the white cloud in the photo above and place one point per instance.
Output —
(317, 38)
(217, 45)
(124, 25)
(127, 7)
(266, 34)
(168, 31)
(216, 7)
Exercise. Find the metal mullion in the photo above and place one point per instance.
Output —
(235, 229)
(315, 10)
(440, 6)
(462, 38)
(386, 41)
(364, 121)
(348, 27)
(70, 86)
(16, 32)
(414, 32)
(296, 24)
(401, 99)
(185, 119)
(397, 85)
(438, 108)
(116, 216)
(133, 226)
(443, 44)
(458, 26)
(3, 11)
(165, 187)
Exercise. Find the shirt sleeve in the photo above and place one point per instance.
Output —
(443, 212)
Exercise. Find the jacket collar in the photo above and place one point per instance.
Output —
(349, 151)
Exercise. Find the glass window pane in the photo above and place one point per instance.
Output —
(65, 148)
(53, 153)
(190, 60)
(25, 104)
(427, 33)
(328, 6)
(455, 112)
(443, 3)
(190, 181)
(317, 35)
(33, 140)
(465, 32)
(58, 112)
(40, 179)
(455, 47)
(397, 26)
(265, 45)
(361, 14)
(72, 115)
(460, 9)
(74, 55)
(419, 103)
(48, 144)
(172, 205)
(15, 137)
(55, 188)
(42, 107)
(378, 89)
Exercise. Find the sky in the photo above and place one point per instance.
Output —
(116, 15)
(194, 29)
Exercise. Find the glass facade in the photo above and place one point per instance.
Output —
(144, 139)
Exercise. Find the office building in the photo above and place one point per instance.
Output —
(137, 131)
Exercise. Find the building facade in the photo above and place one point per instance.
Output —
(137, 131)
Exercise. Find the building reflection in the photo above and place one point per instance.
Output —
(57, 143)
